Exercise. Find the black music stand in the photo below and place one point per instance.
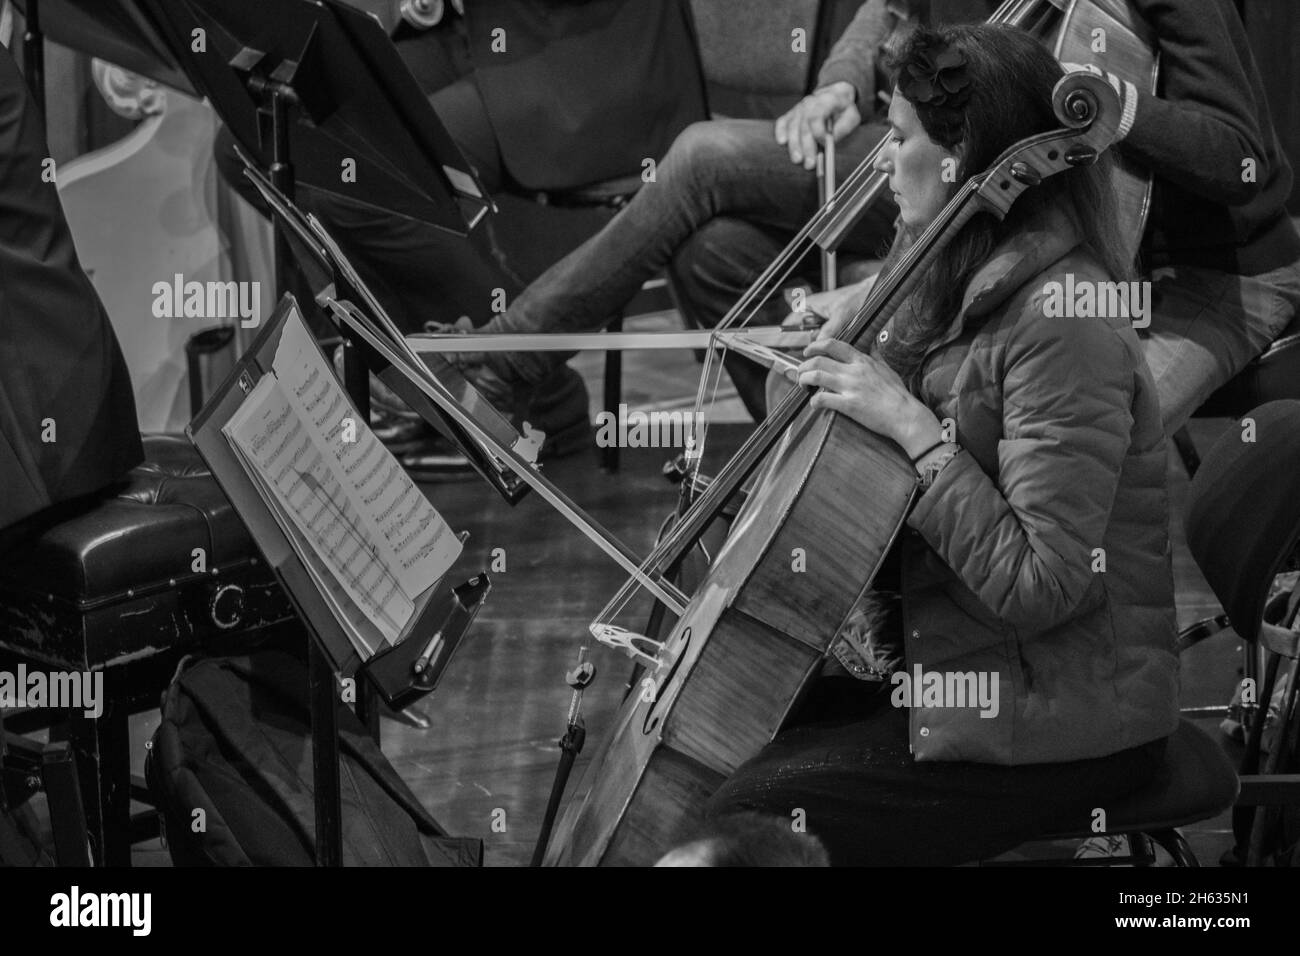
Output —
(307, 86)
(112, 30)
(318, 96)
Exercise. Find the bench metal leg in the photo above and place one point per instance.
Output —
(103, 752)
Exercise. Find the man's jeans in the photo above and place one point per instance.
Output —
(1206, 326)
(725, 190)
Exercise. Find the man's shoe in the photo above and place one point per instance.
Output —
(436, 460)
(558, 407)
(399, 433)
(417, 446)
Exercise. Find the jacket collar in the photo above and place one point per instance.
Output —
(1040, 242)
(1043, 240)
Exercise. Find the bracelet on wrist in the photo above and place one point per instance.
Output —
(927, 474)
(939, 444)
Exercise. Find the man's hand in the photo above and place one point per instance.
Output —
(830, 108)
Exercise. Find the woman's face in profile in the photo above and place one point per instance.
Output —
(915, 166)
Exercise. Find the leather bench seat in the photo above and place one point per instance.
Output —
(161, 561)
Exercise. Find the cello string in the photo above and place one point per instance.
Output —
(711, 375)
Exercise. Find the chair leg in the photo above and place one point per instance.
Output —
(1176, 845)
(103, 751)
(67, 816)
(1140, 850)
(1243, 817)
(1267, 828)
(613, 388)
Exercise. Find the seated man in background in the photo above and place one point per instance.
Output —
(726, 198)
(515, 83)
(67, 413)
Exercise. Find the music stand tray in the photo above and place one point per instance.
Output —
(443, 613)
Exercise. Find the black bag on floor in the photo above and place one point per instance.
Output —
(235, 743)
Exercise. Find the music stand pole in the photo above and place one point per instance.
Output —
(278, 100)
(575, 734)
(34, 54)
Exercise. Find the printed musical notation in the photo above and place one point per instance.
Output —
(365, 532)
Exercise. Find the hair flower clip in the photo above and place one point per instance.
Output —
(935, 75)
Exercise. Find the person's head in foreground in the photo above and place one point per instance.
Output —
(748, 839)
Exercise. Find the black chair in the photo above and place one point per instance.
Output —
(1243, 529)
(1272, 376)
(28, 767)
(1197, 783)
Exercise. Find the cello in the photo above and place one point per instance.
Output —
(754, 634)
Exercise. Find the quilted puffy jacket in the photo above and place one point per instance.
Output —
(1040, 556)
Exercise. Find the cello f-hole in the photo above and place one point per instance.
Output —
(651, 722)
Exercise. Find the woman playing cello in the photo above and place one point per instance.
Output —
(1015, 674)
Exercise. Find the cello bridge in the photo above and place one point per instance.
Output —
(629, 643)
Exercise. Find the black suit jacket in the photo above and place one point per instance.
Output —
(59, 359)
(585, 90)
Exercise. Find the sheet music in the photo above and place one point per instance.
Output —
(414, 541)
(364, 530)
(273, 438)
(361, 630)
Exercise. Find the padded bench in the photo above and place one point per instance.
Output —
(156, 568)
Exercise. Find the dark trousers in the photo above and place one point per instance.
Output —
(847, 766)
(725, 200)
(418, 272)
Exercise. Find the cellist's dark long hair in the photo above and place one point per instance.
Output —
(1011, 76)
